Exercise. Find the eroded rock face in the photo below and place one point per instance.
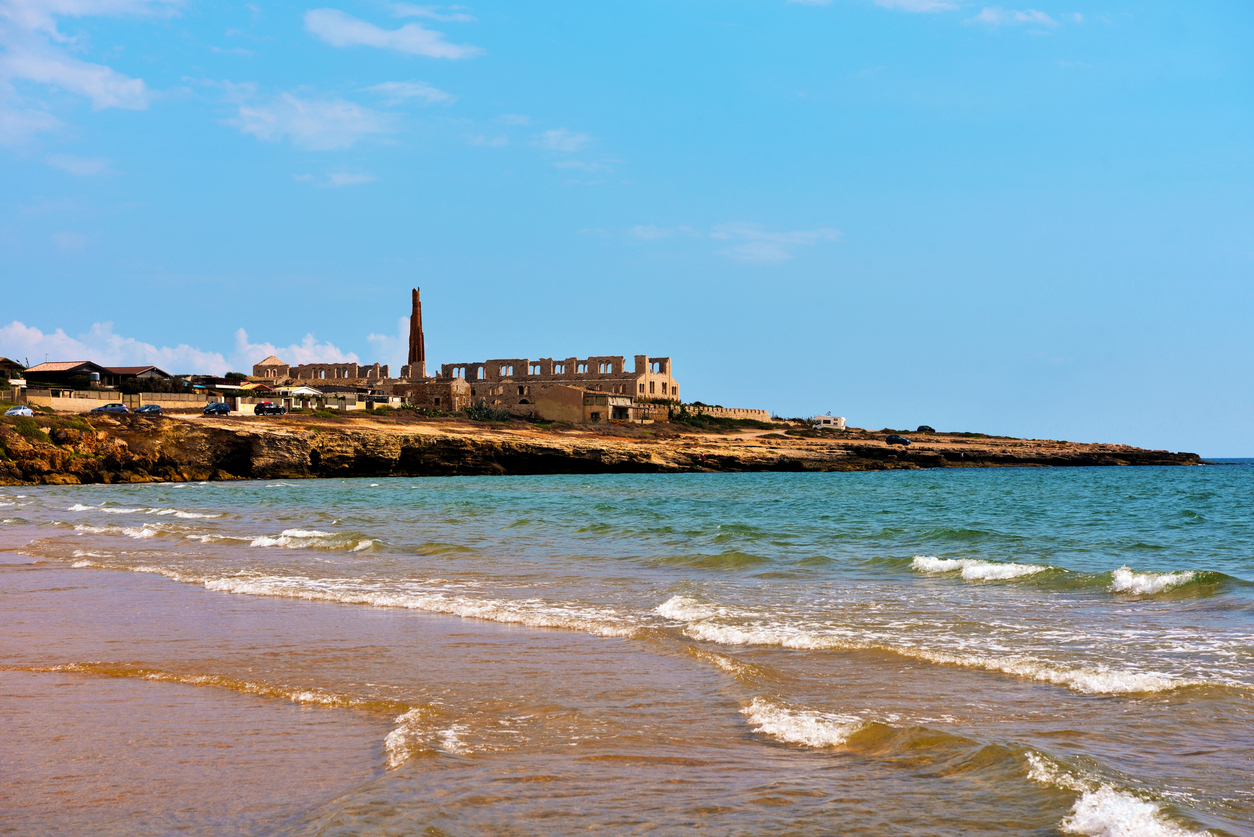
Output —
(138, 449)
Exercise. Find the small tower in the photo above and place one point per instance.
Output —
(417, 346)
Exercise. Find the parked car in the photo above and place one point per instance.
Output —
(111, 408)
(894, 439)
(926, 428)
(269, 408)
(217, 408)
(149, 410)
(19, 410)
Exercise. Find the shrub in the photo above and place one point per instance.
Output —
(30, 428)
(325, 413)
(483, 411)
(235, 376)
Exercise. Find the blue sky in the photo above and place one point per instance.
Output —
(1033, 220)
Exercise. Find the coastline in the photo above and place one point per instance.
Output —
(133, 449)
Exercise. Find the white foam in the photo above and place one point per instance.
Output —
(800, 726)
(80, 507)
(144, 531)
(310, 539)
(1124, 580)
(402, 741)
(534, 613)
(1087, 680)
(974, 569)
(688, 609)
(121, 511)
(1102, 810)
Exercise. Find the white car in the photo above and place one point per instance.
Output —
(19, 410)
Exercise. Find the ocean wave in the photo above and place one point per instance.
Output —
(315, 539)
(159, 511)
(1125, 580)
(139, 532)
(800, 726)
(974, 569)
(534, 613)
(1101, 809)
(703, 625)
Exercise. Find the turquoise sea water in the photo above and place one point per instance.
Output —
(993, 651)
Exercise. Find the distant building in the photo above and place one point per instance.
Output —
(10, 369)
(576, 405)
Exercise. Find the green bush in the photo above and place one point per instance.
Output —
(485, 412)
(325, 413)
(30, 428)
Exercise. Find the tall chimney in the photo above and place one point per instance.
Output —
(417, 347)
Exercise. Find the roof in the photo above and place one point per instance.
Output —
(4, 361)
(273, 360)
(63, 366)
(135, 370)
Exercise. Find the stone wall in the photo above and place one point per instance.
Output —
(730, 412)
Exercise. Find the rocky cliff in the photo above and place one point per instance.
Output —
(59, 450)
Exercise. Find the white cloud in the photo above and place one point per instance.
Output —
(316, 124)
(34, 50)
(396, 92)
(581, 165)
(752, 243)
(69, 240)
(746, 242)
(308, 350)
(344, 178)
(649, 232)
(918, 5)
(343, 30)
(19, 125)
(78, 166)
(393, 349)
(104, 86)
(994, 16)
(432, 13)
(514, 119)
(560, 139)
(101, 345)
(334, 180)
(490, 142)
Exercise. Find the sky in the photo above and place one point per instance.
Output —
(1022, 220)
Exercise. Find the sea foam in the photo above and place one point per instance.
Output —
(800, 726)
(974, 569)
(703, 623)
(1102, 810)
(1124, 580)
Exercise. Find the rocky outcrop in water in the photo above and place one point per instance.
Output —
(136, 449)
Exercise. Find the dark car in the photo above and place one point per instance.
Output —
(269, 408)
(149, 410)
(111, 408)
(894, 439)
(926, 428)
(217, 408)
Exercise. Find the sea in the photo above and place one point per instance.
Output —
(1011, 651)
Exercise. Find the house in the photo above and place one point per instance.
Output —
(73, 374)
(10, 369)
(118, 374)
(576, 405)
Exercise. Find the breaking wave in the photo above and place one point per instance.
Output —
(1101, 809)
(160, 512)
(1125, 580)
(973, 569)
(702, 625)
(314, 539)
(800, 726)
(139, 532)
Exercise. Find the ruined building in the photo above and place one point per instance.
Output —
(344, 373)
(513, 383)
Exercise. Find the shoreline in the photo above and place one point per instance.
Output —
(66, 450)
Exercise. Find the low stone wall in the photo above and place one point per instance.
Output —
(71, 401)
(730, 412)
